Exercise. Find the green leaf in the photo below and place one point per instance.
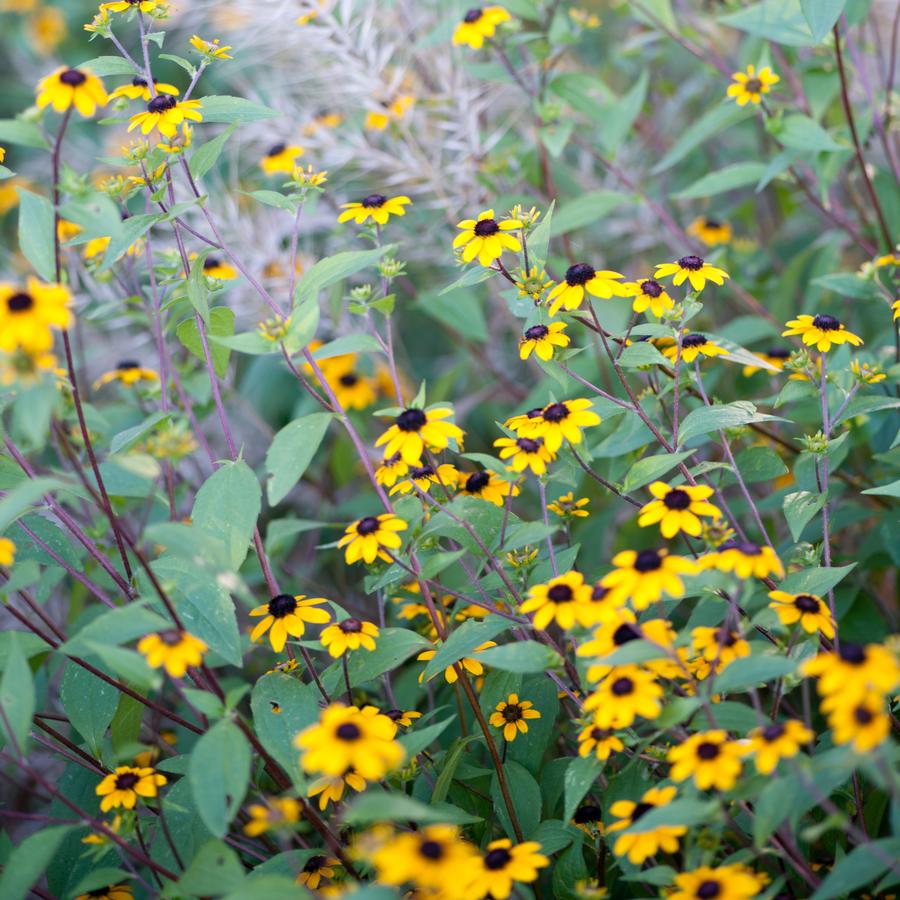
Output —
(90, 704)
(103, 66)
(885, 490)
(721, 416)
(227, 505)
(619, 115)
(349, 343)
(129, 231)
(586, 209)
(214, 870)
(728, 178)
(800, 508)
(651, 468)
(641, 353)
(223, 108)
(218, 773)
(685, 811)
(206, 155)
(299, 705)
(802, 133)
(860, 866)
(821, 16)
(25, 134)
(36, 240)
(16, 696)
(470, 277)
(274, 198)
(461, 642)
(847, 285)
(815, 580)
(419, 739)
(752, 670)
(451, 763)
(22, 497)
(775, 20)
(126, 439)
(221, 325)
(523, 657)
(291, 452)
(709, 124)
(380, 806)
(581, 774)
(333, 269)
(28, 861)
(526, 799)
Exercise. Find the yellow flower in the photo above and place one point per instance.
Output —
(854, 669)
(315, 869)
(376, 207)
(127, 372)
(309, 177)
(693, 269)
(287, 615)
(368, 538)
(512, 715)
(565, 599)
(486, 485)
(821, 331)
(749, 86)
(177, 143)
(353, 391)
(7, 552)
(432, 858)
(583, 277)
(710, 758)
(566, 506)
(585, 19)
(780, 740)
(423, 477)
(47, 30)
(692, 346)
(541, 339)
(123, 786)
(533, 282)
(561, 421)
(895, 306)
(391, 470)
(718, 644)
(414, 430)
(174, 650)
(486, 238)
(349, 634)
(65, 88)
(112, 892)
(864, 724)
(144, 6)
(678, 509)
(468, 663)
(65, 230)
(627, 692)
(401, 717)
(347, 737)
(281, 157)
(865, 373)
(598, 742)
(725, 882)
(807, 609)
(710, 231)
(641, 845)
(140, 90)
(478, 24)
(277, 812)
(745, 559)
(331, 788)
(27, 315)
(644, 576)
(211, 48)
(526, 453)
(502, 865)
(774, 356)
(165, 114)
(649, 294)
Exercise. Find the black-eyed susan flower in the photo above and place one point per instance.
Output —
(145, 6)
(598, 742)
(431, 858)
(29, 314)
(511, 716)
(650, 294)
(692, 346)
(503, 864)
(864, 723)
(809, 610)
(532, 282)
(710, 758)
(288, 615)
(404, 718)
(486, 238)
(718, 645)
(66, 88)
(7, 552)
(210, 49)
(347, 737)
(525, 453)
(854, 669)
(567, 507)
(416, 430)
(395, 111)
(642, 577)
(750, 85)
(349, 634)
(128, 372)
(139, 89)
(213, 267)
(376, 207)
(541, 339)
(486, 485)
(391, 470)
(276, 812)
(677, 509)
(281, 157)
(564, 420)
(368, 538)
(528, 423)
(110, 892)
(624, 694)
(173, 650)
(641, 845)
(693, 269)
(589, 819)
(353, 391)
(424, 477)
(315, 869)
(780, 740)
(123, 786)
(619, 627)
(470, 664)
(565, 599)
(821, 331)
(478, 24)
(711, 231)
(774, 356)
(330, 789)
(165, 113)
(582, 277)
(745, 559)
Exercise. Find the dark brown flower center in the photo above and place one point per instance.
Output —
(497, 859)
(640, 810)
(486, 227)
(431, 850)
(125, 364)
(420, 472)
(746, 547)
(862, 715)
(556, 412)
(852, 653)
(126, 781)
(349, 379)
(677, 499)
(350, 626)
(708, 889)
(712, 223)
(707, 751)
(512, 712)
(276, 149)
(72, 77)
(586, 814)
(693, 263)
(754, 86)
(411, 419)
(778, 353)
(282, 605)
(625, 633)
(374, 201)
(726, 638)
(693, 340)
(536, 332)
(579, 274)
(314, 863)
(211, 262)
(473, 15)
(368, 525)
(599, 593)
(528, 445)
(773, 732)
(600, 734)
(806, 603)
(161, 103)
(19, 303)
(827, 323)
(560, 593)
(622, 687)
(348, 732)
(137, 81)
(394, 714)
(477, 482)
(648, 561)
(651, 288)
